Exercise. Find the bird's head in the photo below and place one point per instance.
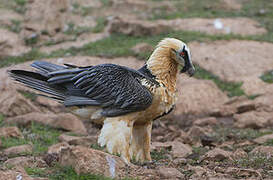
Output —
(179, 52)
(182, 55)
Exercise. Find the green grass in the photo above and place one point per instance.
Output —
(40, 136)
(225, 133)
(29, 95)
(159, 155)
(64, 172)
(101, 23)
(257, 161)
(268, 77)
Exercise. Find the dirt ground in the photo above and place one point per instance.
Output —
(222, 125)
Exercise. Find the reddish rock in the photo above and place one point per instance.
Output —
(243, 172)
(263, 139)
(217, 154)
(87, 160)
(196, 132)
(178, 149)
(209, 121)
(14, 104)
(78, 140)
(136, 27)
(32, 162)
(11, 132)
(197, 97)
(169, 173)
(57, 148)
(65, 121)
(11, 44)
(17, 150)
(253, 119)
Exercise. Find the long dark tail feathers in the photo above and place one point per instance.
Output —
(46, 67)
(38, 82)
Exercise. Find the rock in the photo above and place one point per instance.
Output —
(142, 48)
(198, 97)
(218, 57)
(268, 150)
(49, 103)
(14, 104)
(239, 154)
(231, 5)
(50, 18)
(178, 149)
(196, 132)
(134, 27)
(217, 154)
(14, 174)
(87, 160)
(265, 103)
(209, 26)
(32, 162)
(199, 172)
(17, 150)
(170, 173)
(180, 161)
(76, 140)
(57, 148)
(65, 121)
(253, 119)
(11, 44)
(11, 132)
(243, 172)
(263, 139)
(209, 121)
(7, 16)
(223, 111)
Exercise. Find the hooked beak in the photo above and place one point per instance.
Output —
(188, 68)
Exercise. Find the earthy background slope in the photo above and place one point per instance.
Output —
(222, 126)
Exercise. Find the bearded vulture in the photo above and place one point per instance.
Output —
(124, 100)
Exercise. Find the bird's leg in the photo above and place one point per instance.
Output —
(141, 142)
(116, 135)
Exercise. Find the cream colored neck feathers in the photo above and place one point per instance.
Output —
(162, 63)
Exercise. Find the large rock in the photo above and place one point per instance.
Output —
(11, 132)
(17, 150)
(87, 160)
(14, 104)
(57, 148)
(236, 61)
(253, 119)
(32, 162)
(198, 97)
(65, 121)
(136, 27)
(170, 173)
(50, 18)
(178, 149)
(216, 26)
(11, 44)
(77, 140)
(217, 154)
(263, 139)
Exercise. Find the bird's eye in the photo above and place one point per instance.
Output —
(182, 53)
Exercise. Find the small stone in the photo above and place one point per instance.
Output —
(11, 132)
(17, 150)
(57, 148)
(239, 154)
(210, 121)
(217, 154)
(253, 119)
(170, 173)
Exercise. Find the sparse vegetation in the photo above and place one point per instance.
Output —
(267, 77)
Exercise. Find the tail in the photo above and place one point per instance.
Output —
(39, 80)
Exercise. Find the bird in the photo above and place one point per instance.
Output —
(124, 100)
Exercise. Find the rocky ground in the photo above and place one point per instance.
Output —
(222, 126)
